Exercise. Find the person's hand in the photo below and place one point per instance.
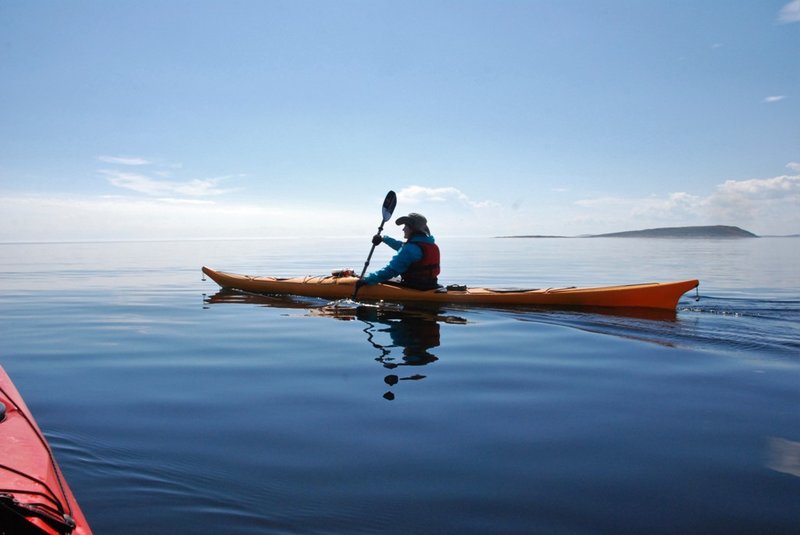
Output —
(377, 239)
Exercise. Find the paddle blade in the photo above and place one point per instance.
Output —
(388, 205)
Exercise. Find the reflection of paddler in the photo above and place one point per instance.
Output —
(416, 334)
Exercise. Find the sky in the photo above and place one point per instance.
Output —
(167, 119)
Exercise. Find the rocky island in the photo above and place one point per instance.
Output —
(711, 231)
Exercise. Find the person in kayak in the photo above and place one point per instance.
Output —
(417, 259)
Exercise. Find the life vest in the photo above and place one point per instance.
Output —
(423, 273)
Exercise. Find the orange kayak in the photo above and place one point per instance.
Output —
(34, 496)
(656, 295)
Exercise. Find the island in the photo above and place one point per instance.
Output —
(713, 231)
(710, 231)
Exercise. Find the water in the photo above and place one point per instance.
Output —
(175, 408)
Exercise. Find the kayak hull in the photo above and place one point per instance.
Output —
(661, 295)
(34, 495)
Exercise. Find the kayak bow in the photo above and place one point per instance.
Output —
(34, 496)
(657, 295)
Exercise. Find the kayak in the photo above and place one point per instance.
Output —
(34, 496)
(657, 295)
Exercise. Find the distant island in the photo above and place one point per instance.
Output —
(712, 231)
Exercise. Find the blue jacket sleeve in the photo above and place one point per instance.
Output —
(407, 255)
(391, 242)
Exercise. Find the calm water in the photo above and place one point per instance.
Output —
(176, 408)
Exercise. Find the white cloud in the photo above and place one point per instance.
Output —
(766, 188)
(755, 200)
(420, 194)
(654, 210)
(122, 160)
(794, 166)
(790, 12)
(770, 205)
(774, 98)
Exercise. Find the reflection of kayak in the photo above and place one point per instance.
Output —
(660, 295)
(34, 496)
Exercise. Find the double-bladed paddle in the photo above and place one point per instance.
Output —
(388, 208)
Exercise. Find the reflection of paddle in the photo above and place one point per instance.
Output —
(388, 207)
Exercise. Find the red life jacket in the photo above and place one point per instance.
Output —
(423, 273)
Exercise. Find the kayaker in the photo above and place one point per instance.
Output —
(417, 259)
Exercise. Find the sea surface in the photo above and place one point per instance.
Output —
(173, 407)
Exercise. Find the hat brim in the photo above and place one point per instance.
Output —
(408, 221)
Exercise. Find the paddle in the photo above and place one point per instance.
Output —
(388, 208)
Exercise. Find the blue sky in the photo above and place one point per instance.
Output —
(184, 119)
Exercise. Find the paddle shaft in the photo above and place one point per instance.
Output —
(369, 256)
(366, 264)
(388, 207)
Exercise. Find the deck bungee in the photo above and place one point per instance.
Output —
(34, 496)
(658, 295)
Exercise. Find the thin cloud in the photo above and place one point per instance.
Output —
(122, 160)
(420, 194)
(775, 98)
(154, 180)
(185, 202)
(790, 12)
(165, 188)
(88, 218)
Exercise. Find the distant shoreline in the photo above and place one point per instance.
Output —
(711, 231)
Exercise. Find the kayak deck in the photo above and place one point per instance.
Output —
(658, 295)
(34, 496)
